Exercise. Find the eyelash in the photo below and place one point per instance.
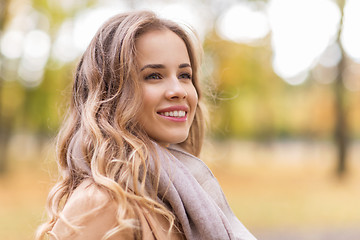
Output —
(158, 76)
(187, 75)
(153, 76)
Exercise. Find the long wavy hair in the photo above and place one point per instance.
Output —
(101, 121)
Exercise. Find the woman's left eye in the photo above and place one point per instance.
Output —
(185, 76)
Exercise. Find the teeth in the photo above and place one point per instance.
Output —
(174, 113)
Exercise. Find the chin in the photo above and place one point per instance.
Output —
(181, 139)
(173, 140)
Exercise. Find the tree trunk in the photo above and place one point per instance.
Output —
(341, 135)
(4, 136)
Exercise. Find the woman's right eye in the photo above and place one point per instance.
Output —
(153, 76)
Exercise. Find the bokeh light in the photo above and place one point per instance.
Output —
(243, 23)
(194, 14)
(301, 31)
(351, 77)
(87, 22)
(37, 45)
(63, 48)
(12, 44)
(331, 55)
(350, 37)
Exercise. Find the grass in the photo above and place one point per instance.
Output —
(266, 189)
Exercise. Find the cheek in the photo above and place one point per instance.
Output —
(146, 103)
(149, 96)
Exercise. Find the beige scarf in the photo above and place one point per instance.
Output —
(189, 188)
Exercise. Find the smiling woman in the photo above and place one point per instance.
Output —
(127, 151)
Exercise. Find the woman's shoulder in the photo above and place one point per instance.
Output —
(89, 213)
(89, 196)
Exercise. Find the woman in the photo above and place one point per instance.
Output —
(127, 149)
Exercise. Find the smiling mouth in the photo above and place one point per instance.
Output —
(176, 114)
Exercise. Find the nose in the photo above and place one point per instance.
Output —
(175, 90)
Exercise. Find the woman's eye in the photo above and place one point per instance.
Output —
(185, 76)
(153, 76)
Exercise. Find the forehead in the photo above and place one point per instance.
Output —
(162, 46)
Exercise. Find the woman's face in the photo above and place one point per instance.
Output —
(169, 96)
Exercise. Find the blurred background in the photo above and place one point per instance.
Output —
(285, 106)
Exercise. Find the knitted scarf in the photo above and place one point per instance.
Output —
(195, 197)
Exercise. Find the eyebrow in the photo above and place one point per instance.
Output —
(184, 65)
(159, 66)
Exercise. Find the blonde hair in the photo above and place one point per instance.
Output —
(101, 120)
